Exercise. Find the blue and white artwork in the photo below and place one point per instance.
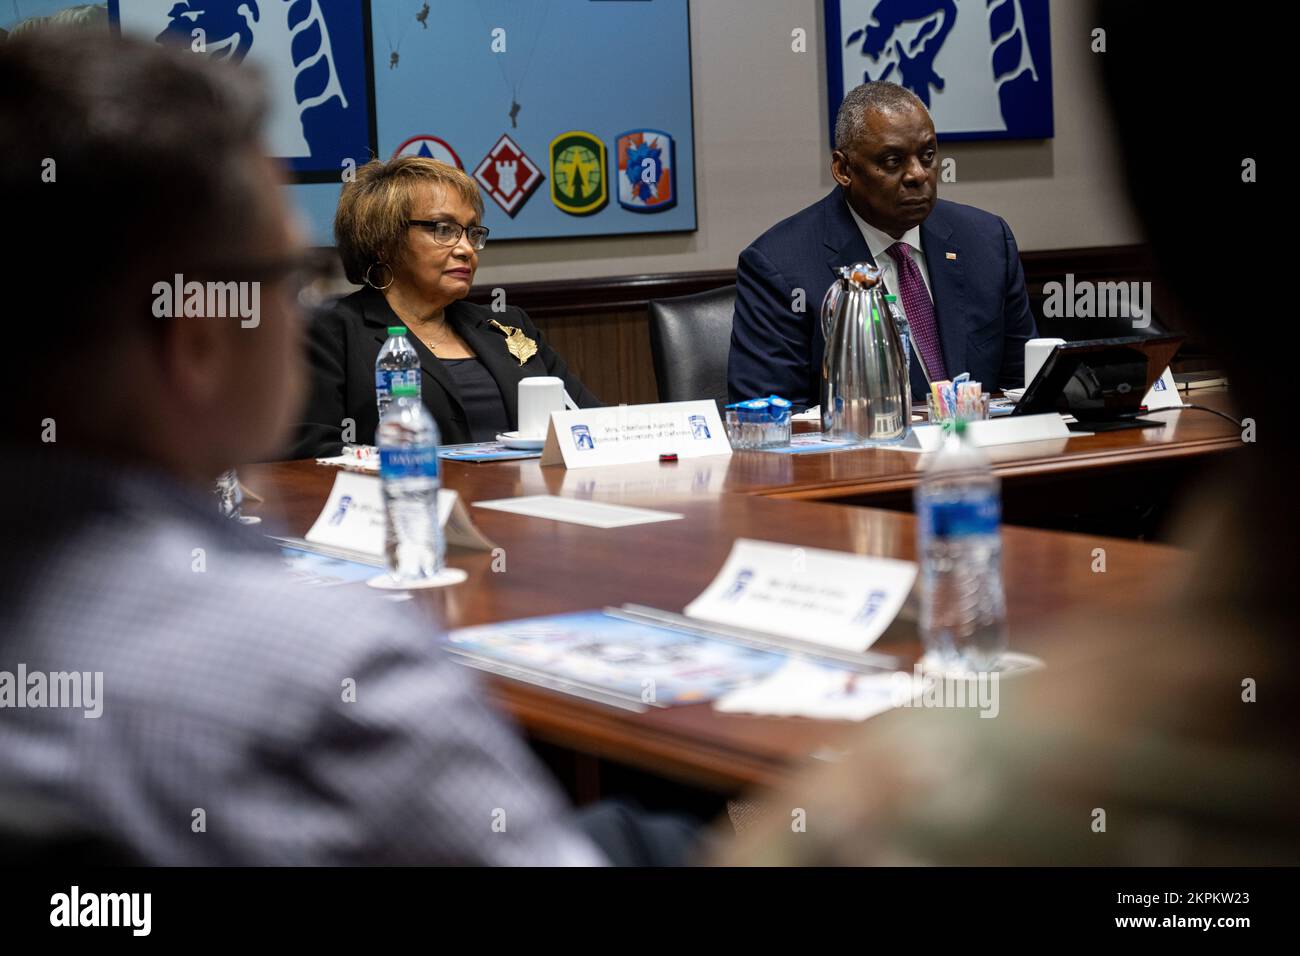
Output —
(313, 54)
(544, 102)
(982, 67)
(535, 96)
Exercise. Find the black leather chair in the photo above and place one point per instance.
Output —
(689, 340)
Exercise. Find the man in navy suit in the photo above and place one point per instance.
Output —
(955, 269)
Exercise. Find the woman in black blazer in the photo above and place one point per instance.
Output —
(409, 230)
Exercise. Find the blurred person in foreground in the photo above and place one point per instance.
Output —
(1177, 722)
(224, 683)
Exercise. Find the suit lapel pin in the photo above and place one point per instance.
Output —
(521, 346)
(950, 255)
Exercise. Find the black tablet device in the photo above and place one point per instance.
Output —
(1101, 382)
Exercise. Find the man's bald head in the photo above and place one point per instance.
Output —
(876, 96)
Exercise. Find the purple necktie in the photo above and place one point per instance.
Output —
(919, 310)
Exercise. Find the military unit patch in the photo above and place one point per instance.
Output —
(580, 183)
(508, 175)
(578, 173)
(646, 158)
(430, 147)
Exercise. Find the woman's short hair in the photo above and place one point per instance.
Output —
(375, 208)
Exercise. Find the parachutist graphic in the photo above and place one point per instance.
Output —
(394, 55)
(525, 20)
(422, 18)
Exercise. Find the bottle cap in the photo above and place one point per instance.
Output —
(397, 330)
(773, 407)
(405, 391)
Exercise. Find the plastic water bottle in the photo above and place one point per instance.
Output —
(958, 511)
(408, 471)
(904, 330)
(905, 333)
(398, 364)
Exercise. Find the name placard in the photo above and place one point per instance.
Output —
(625, 434)
(1163, 394)
(1009, 430)
(353, 518)
(834, 598)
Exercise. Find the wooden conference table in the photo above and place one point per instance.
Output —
(872, 473)
(553, 567)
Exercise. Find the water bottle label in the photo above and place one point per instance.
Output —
(408, 462)
(385, 380)
(950, 519)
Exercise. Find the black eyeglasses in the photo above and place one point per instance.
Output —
(448, 233)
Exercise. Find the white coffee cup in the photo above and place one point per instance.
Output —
(539, 395)
(1036, 352)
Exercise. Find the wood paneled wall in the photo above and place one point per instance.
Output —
(609, 351)
(602, 326)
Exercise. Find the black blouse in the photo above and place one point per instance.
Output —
(480, 396)
(344, 342)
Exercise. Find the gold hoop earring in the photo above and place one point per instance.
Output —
(391, 276)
